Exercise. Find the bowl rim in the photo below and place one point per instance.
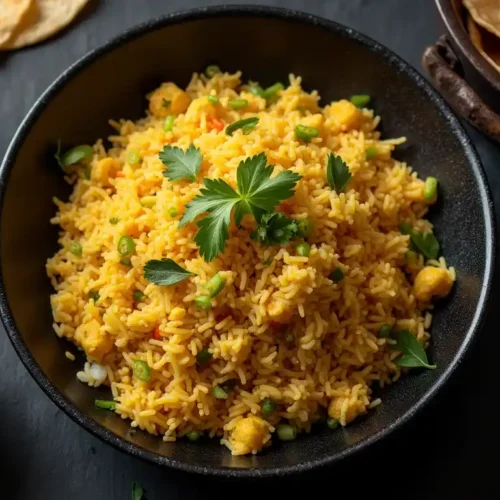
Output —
(460, 36)
(283, 14)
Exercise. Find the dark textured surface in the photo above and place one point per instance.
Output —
(443, 452)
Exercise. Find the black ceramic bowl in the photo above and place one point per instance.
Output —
(267, 44)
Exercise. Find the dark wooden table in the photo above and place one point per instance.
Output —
(447, 452)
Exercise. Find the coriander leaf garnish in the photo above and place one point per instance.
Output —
(257, 194)
(247, 124)
(166, 103)
(72, 156)
(137, 491)
(181, 164)
(337, 173)
(413, 354)
(275, 229)
(165, 272)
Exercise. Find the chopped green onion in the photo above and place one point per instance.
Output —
(142, 371)
(133, 157)
(272, 90)
(138, 295)
(360, 101)
(94, 296)
(303, 249)
(168, 123)
(212, 70)
(305, 227)
(238, 103)
(336, 275)
(256, 90)
(126, 246)
(268, 407)
(247, 124)
(76, 249)
(166, 103)
(104, 404)
(125, 261)
(215, 285)
(203, 302)
(219, 393)
(114, 220)
(286, 432)
(430, 189)
(213, 99)
(332, 423)
(74, 155)
(306, 133)
(204, 356)
(148, 201)
(371, 152)
(173, 212)
(385, 331)
(194, 435)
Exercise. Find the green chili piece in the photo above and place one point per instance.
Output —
(142, 370)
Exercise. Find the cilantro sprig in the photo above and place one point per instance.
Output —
(257, 194)
(338, 174)
(275, 229)
(181, 164)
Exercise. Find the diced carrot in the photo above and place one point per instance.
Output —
(156, 333)
(215, 124)
(120, 174)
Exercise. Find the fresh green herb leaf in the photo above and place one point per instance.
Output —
(105, 405)
(165, 272)
(412, 353)
(257, 194)
(75, 155)
(337, 173)
(181, 164)
(246, 124)
(275, 229)
(424, 243)
(137, 491)
(166, 103)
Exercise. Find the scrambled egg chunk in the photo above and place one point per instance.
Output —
(432, 282)
(345, 114)
(168, 99)
(249, 435)
(96, 343)
(335, 410)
